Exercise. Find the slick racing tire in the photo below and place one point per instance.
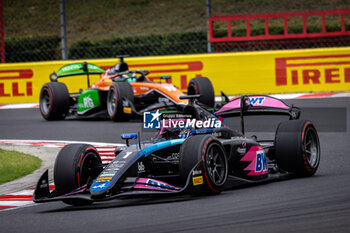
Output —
(54, 101)
(202, 86)
(297, 147)
(118, 92)
(75, 165)
(214, 170)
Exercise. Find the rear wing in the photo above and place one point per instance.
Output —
(257, 105)
(75, 69)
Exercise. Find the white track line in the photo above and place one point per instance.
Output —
(20, 106)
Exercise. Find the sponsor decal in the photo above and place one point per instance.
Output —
(71, 67)
(43, 184)
(326, 69)
(114, 166)
(241, 150)
(256, 100)
(154, 183)
(198, 180)
(140, 167)
(144, 183)
(169, 87)
(107, 174)
(257, 158)
(99, 186)
(174, 156)
(105, 178)
(88, 102)
(162, 99)
(127, 110)
(77, 68)
(197, 172)
(125, 103)
(261, 163)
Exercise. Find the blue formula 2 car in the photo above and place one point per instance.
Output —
(184, 160)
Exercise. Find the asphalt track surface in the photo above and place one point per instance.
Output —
(317, 204)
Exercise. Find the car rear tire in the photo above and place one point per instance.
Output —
(54, 101)
(215, 170)
(117, 92)
(74, 166)
(297, 147)
(202, 86)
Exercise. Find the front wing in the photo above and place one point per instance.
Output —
(130, 187)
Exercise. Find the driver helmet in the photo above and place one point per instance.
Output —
(120, 67)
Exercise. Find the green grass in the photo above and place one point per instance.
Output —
(15, 164)
(105, 19)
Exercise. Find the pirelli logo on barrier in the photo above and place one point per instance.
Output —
(313, 70)
(16, 82)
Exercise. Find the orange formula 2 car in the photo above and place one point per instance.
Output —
(119, 94)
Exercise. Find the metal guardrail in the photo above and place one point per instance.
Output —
(284, 16)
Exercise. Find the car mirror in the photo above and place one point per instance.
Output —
(166, 77)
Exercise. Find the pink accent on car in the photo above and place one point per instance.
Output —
(256, 101)
(152, 184)
(252, 156)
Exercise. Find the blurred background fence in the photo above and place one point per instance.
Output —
(32, 30)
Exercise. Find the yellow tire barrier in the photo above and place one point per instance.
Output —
(287, 71)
